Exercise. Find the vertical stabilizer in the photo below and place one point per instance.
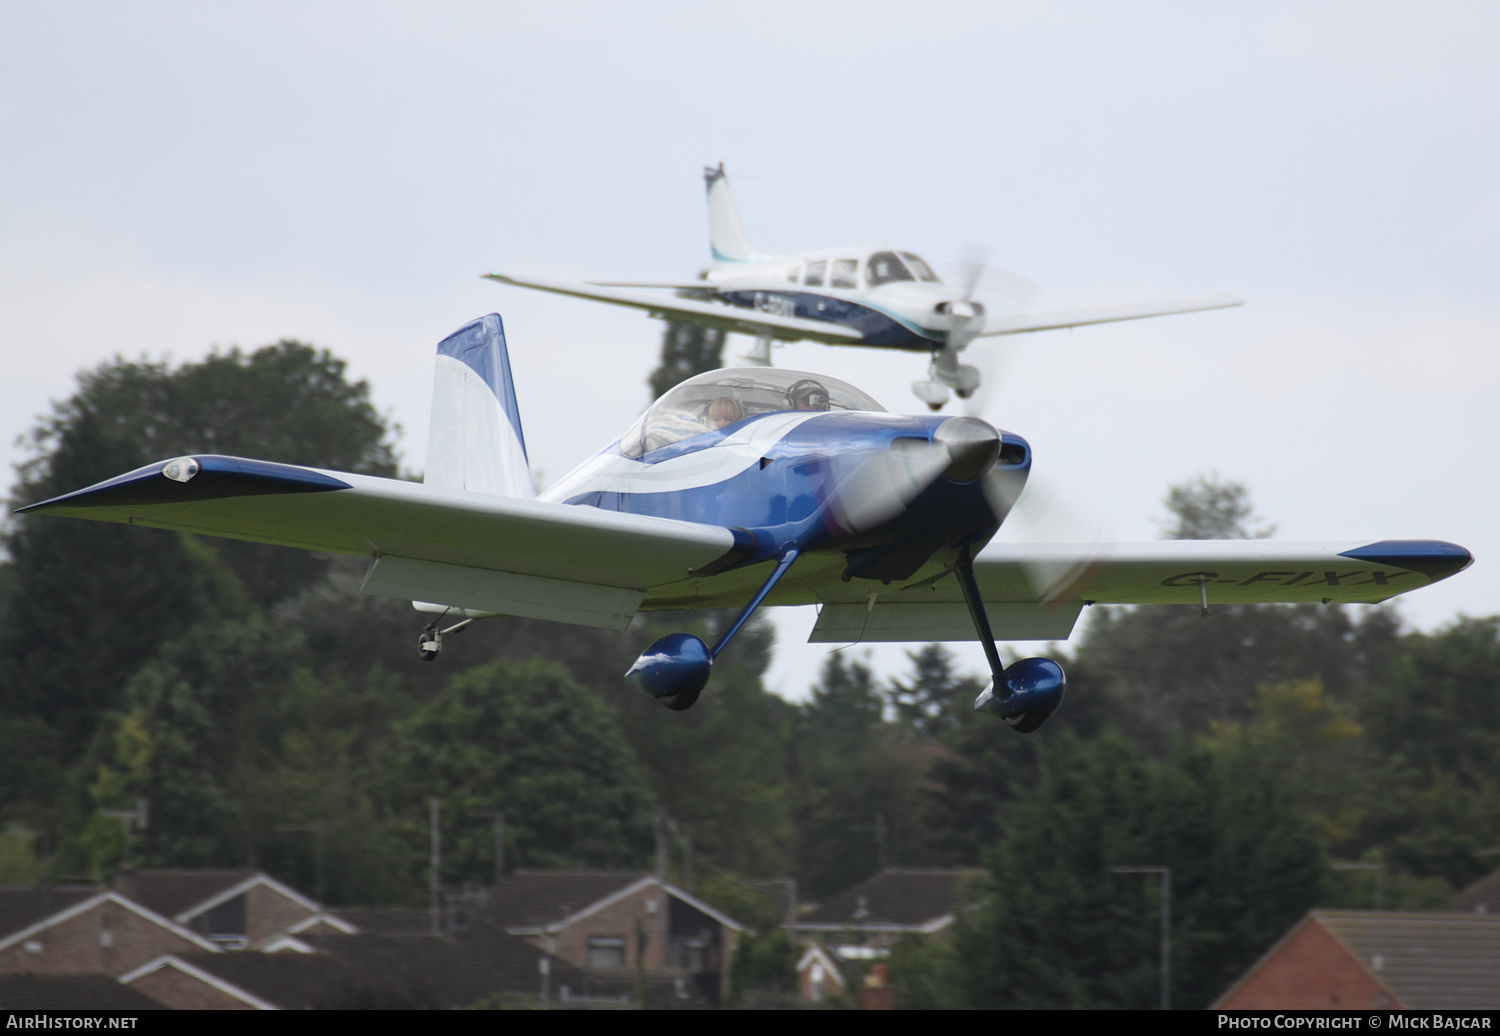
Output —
(726, 235)
(475, 441)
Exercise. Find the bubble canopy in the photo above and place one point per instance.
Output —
(723, 398)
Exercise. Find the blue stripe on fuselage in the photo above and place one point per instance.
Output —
(876, 327)
(781, 501)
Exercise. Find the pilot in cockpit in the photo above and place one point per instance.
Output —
(807, 394)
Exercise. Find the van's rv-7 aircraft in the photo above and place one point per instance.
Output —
(880, 297)
(739, 487)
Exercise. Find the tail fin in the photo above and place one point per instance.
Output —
(726, 235)
(475, 441)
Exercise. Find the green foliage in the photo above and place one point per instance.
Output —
(765, 965)
(18, 859)
(1059, 929)
(1166, 673)
(856, 782)
(129, 590)
(525, 738)
(1439, 708)
(719, 769)
(924, 972)
(686, 350)
(1207, 508)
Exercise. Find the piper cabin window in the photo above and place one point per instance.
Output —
(845, 274)
(815, 273)
(886, 267)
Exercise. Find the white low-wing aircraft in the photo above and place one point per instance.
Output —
(739, 487)
(880, 297)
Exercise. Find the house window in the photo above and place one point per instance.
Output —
(224, 924)
(606, 951)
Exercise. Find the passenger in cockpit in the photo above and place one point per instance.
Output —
(723, 412)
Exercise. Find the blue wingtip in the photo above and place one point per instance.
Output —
(1436, 559)
(215, 477)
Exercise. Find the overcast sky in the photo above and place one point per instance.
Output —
(182, 176)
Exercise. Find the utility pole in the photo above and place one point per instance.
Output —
(879, 828)
(498, 815)
(437, 863)
(661, 845)
(1166, 926)
(127, 817)
(317, 830)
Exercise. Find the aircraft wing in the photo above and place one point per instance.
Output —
(1055, 319)
(691, 311)
(486, 553)
(1035, 591)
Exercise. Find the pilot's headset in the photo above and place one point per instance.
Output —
(807, 394)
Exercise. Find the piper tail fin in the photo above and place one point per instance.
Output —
(726, 235)
(475, 441)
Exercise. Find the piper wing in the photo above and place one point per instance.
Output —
(1055, 319)
(1035, 591)
(476, 551)
(690, 311)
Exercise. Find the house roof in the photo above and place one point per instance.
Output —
(534, 901)
(1482, 897)
(97, 898)
(389, 920)
(71, 993)
(172, 893)
(537, 899)
(1427, 960)
(920, 900)
(289, 981)
(24, 907)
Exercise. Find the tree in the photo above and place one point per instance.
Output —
(855, 779)
(124, 590)
(526, 739)
(686, 350)
(1205, 508)
(1058, 928)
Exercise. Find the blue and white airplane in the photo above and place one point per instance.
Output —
(881, 297)
(738, 488)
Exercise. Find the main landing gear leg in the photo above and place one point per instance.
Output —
(430, 641)
(675, 669)
(760, 356)
(1023, 694)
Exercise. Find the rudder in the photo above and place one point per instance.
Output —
(726, 235)
(475, 440)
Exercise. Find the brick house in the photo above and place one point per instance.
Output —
(604, 922)
(864, 922)
(233, 909)
(72, 931)
(1361, 960)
